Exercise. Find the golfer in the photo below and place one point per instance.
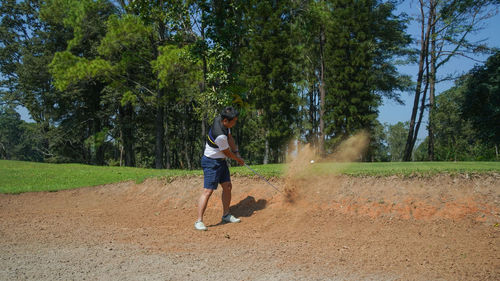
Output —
(219, 146)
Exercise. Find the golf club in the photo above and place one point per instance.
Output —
(263, 178)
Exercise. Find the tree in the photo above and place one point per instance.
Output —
(314, 39)
(171, 22)
(270, 72)
(10, 133)
(396, 140)
(445, 29)
(378, 149)
(28, 44)
(84, 120)
(226, 23)
(350, 52)
(454, 135)
(456, 138)
(179, 74)
(364, 37)
(481, 104)
(125, 55)
(139, 80)
(18, 21)
(18, 139)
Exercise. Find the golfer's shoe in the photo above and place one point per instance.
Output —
(230, 218)
(199, 225)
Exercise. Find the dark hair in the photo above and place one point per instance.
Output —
(229, 113)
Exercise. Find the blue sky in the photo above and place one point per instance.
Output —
(391, 112)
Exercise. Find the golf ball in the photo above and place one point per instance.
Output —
(312, 161)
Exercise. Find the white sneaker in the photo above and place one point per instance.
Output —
(199, 225)
(230, 218)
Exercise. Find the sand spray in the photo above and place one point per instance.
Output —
(301, 170)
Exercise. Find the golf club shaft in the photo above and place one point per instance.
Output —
(263, 178)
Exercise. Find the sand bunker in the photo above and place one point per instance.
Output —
(325, 228)
(339, 228)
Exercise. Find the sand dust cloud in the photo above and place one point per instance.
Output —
(301, 173)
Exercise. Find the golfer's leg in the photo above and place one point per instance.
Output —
(226, 196)
(203, 201)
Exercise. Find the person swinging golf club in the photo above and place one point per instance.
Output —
(219, 146)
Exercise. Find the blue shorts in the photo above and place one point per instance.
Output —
(214, 171)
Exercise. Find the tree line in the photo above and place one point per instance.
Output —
(137, 83)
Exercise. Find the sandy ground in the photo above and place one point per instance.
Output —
(336, 228)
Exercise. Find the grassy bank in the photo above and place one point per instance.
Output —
(409, 168)
(403, 169)
(17, 176)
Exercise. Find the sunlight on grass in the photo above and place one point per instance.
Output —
(17, 176)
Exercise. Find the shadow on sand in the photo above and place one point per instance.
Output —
(245, 208)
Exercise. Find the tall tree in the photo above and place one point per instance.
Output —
(363, 39)
(482, 101)
(312, 27)
(446, 27)
(82, 98)
(27, 45)
(172, 22)
(270, 72)
(122, 63)
(424, 50)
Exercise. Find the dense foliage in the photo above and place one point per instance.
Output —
(137, 83)
(466, 116)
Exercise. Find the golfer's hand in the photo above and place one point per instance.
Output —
(240, 161)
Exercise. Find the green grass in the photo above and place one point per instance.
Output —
(17, 176)
(404, 169)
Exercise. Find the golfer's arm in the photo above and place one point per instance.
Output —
(232, 144)
(229, 154)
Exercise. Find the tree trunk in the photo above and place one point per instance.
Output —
(160, 130)
(120, 144)
(168, 163)
(160, 109)
(99, 146)
(266, 151)
(422, 104)
(321, 141)
(204, 83)
(126, 127)
(432, 81)
(186, 142)
(312, 109)
(424, 47)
